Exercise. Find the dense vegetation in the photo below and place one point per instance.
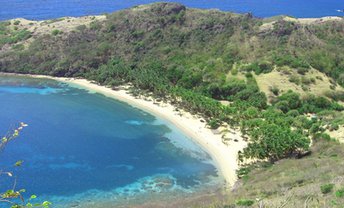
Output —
(185, 56)
(266, 125)
(12, 36)
(193, 59)
(196, 42)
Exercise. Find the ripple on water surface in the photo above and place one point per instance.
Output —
(85, 148)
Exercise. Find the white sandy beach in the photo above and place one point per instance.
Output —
(224, 155)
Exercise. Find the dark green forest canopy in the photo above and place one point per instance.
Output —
(186, 55)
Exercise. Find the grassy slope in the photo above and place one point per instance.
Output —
(313, 82)
(296, 182)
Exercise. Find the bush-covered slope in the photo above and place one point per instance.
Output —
(195, 41)
(313, 181)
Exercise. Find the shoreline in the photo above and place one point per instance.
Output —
(224, 155)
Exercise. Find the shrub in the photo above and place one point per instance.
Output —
(258, 68)
(234, 71)
(326, 188)
(323, 136)
(95, 25)
(319, 78)
(17, 22)
(314, 104)
(315, 128)
(334, 127)
(292, 99)
(18, 47)
(245, 202)
(214, 124)
(251, 67)
(16, 37)
(340, 193)
(81, 28)
(294, 79)
(283, 106)
(284, 70)
(304, 88)
(293, 113)
(289, 60)
(335, 95)
(243, 172)
(274, 90)
(302, 70)
(265, 67)
(248, 75)
(313, 80)
(56, 32)
(306, 80)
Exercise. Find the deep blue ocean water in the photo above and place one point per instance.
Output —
(48, 9)
(84, 147)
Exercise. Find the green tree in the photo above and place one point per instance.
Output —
(292, 100)
(273, 142)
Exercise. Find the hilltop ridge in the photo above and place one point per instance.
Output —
(178, 36)
(164, 29)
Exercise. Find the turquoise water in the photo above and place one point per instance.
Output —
(83, 147)
(48, 9)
